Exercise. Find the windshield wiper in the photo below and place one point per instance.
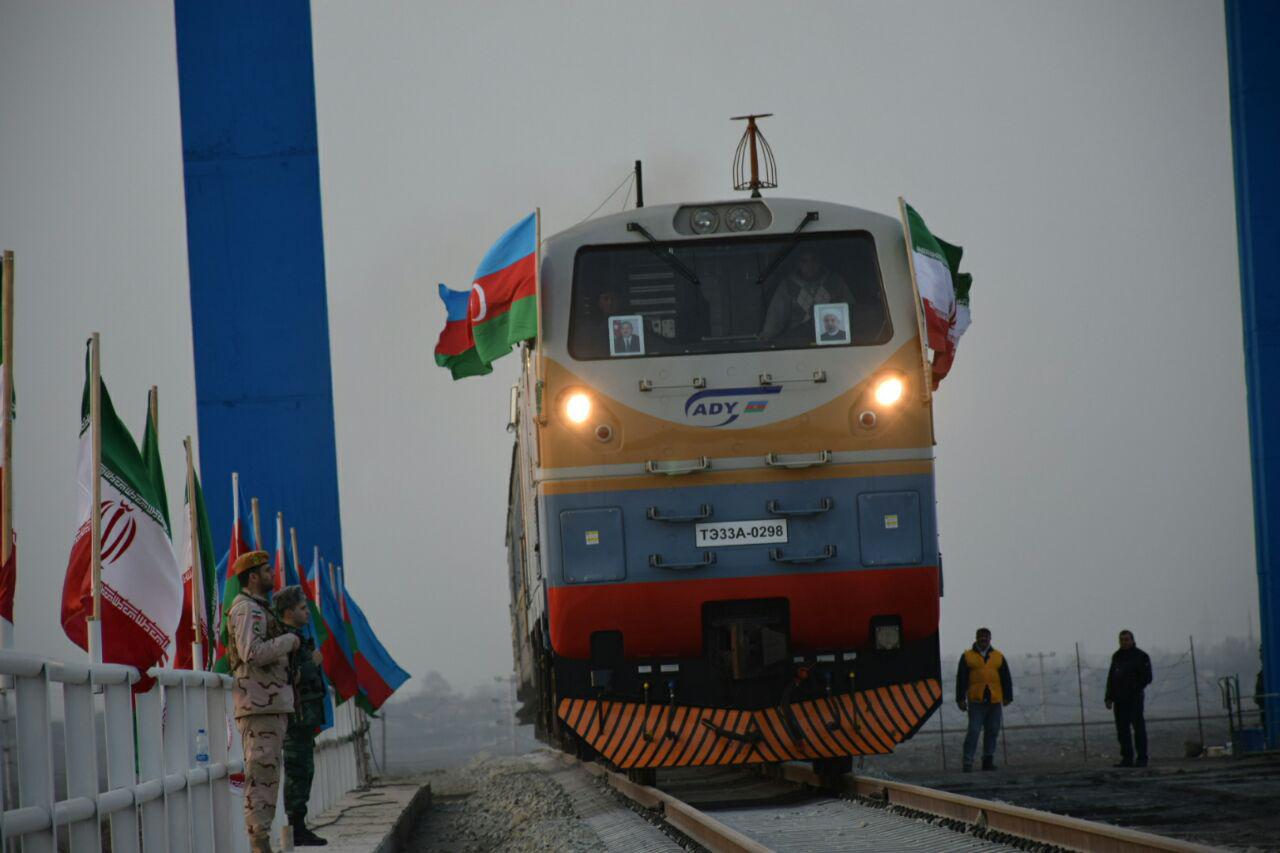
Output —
(667, 257)
(811, 216)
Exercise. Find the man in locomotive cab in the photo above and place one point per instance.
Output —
(790, 312)
(983, 688)
(596, 311)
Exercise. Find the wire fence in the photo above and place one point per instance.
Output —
(1059, 715)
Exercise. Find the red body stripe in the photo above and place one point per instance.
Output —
(455, 339)
(828, 609)
(504, 287)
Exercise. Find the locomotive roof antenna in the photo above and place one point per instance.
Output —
(754, 153)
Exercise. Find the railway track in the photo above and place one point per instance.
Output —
(729, 810)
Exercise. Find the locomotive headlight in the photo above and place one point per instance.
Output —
(740, 219)
(889, 391)
(577, 408)
(704, 220)
(888, 637)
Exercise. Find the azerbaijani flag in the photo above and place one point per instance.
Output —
(349, 632)
(936, 265)
(380, 675)
(318, 631)
(338, 662)
(502, 308)
(504, 294)
(141, 586)
(456, 348)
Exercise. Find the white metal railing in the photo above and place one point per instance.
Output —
(153, 795)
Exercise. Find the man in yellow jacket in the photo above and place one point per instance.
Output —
(983, 688)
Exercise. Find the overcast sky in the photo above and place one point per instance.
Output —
(1093, 466)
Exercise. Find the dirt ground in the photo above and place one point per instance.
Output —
(1224, 801)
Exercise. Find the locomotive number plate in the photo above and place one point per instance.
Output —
(720, 534)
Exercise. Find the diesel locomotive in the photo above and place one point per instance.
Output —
(722, 532)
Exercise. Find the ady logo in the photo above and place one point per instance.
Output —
(119, 528)
(722, 406)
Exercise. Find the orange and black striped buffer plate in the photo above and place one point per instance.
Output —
(632, 736)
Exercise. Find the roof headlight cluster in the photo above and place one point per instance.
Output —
(740, 219)
(704, 220)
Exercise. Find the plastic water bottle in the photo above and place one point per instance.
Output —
(202, 748)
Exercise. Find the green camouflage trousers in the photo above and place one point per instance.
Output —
(263, 737)
(299, 769)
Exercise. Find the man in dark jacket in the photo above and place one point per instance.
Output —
(983, 688)
(308, 715)
(1129, 676)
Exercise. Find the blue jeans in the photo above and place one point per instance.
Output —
(984, 717)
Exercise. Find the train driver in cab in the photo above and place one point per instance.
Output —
(790, 312)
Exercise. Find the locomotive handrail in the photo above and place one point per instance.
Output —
(708, 558)
(696, 382)
(657, 466)
(828, 551)
(824, 505)
(653, 514)
(797, 460)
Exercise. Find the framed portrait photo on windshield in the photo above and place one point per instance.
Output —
(626, 335)
(831, 323)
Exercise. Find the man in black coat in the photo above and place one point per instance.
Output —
(1129, 676)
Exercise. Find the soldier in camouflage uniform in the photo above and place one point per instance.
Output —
(258, 652)
(308, 714)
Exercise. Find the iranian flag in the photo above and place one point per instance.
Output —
(141, 586)
(231, 587)
(503, 308)
(944, 290)
(959, 322)
(208, 589)
(151, 460)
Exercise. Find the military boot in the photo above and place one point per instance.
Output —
(303, 837)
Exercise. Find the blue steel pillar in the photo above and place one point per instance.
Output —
(1253, 33)
(255, 247)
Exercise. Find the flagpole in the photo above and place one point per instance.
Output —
(537, 290)
(315, 559)
(257, 526)
(153, 409)
(277, 583)
(95, 508)
(297, 566)
(197, 570)
(6, 420)
(926, 368)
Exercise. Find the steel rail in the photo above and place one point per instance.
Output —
(1028, 824)
(696, 824)
(1031, 824)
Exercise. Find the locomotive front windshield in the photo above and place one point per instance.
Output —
(727, 295)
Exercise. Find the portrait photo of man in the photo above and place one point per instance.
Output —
(831, 323)
(626, 335)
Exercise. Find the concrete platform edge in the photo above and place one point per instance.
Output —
(403, 827)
